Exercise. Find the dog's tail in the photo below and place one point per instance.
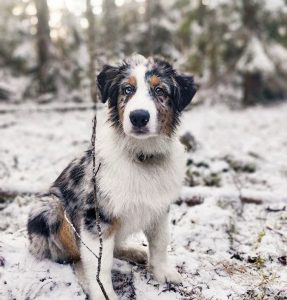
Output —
(50, 234)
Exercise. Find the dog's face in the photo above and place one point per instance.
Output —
(145, 96)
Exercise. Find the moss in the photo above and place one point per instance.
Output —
(260, 262)
(212, 180)
(260, 236)
(240, 166)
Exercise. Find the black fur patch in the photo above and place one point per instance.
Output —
(90, 213)
(90, 198)
(109, 81)
(40, 226)
(68, 195)
(90, 218)
(77, 174)
(182, 91)
(186, 90)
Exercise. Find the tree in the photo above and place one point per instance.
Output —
(92, 50)
(156, 31)
(44, 48)
(110, 34)
(230, 43)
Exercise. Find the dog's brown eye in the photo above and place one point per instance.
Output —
(128, 90)
(159, 91)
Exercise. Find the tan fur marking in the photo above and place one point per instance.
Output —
(113, 228)
(121, 108)
(132, 81)
(154, 80)
(67, 238)
(165, 119)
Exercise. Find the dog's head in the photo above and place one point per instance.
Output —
(145, 96)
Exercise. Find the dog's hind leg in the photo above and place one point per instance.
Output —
(50, 234)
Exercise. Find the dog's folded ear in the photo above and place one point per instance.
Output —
(184, 92)
(106, 81)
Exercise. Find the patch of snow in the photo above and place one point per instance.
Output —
(222, 248)
(255, 59)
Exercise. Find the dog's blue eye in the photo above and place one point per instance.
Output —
(128, 90)
(159, 91)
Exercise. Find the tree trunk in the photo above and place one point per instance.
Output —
(252, 85)
(92, 50)
(44, 44)
(111, 27)
(149, 21)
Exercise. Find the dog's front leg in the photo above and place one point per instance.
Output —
(158, 238)
(90, 264)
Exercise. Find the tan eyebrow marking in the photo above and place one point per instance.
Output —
(154, 80)
(132, 81)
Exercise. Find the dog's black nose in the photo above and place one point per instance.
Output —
(139, 117)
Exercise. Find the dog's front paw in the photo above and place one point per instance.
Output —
(167, 274)
(113, 296)
(100, 296)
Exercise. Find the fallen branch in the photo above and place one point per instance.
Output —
(248, 200)
(62, 109)
(269, 209)
(195, 200)
(7, 125)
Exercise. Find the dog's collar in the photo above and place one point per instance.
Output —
(146, 158)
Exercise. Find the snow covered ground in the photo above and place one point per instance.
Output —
(228, 228)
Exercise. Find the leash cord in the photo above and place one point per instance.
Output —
(77, 234)
(99, 229)
(98, 225)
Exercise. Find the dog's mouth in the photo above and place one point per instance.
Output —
(141, 133)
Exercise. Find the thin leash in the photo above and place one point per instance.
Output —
(77, 234)
(99, 229)
(98, 225)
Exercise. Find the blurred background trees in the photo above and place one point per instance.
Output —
(50, 50)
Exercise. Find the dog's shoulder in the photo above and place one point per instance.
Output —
(75, 181)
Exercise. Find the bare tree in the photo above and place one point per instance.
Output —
(44, 45)
(92, 49)
(149, 21)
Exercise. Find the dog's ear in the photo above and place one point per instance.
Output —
(184, 91)
(107, 80)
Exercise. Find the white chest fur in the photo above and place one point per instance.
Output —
(138, 191)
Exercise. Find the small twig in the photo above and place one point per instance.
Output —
(98, 223)
(248, 200)
(238, 185)
(99, 229)
(43, 109)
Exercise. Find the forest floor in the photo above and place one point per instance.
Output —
(229, 227)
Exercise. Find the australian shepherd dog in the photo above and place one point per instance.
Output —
(141, 173)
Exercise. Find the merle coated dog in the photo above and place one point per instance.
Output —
(142, 170)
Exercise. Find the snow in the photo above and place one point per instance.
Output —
(255, 59)
(276, 5)
(279, 55)
(224, 249)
